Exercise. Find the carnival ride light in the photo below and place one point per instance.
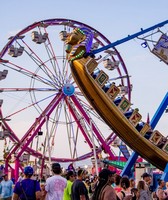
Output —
(144, 44)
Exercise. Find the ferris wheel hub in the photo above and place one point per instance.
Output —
(68, 89)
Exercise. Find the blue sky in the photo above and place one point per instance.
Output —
(114, 19)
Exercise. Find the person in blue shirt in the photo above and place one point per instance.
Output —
(27, 189)
(6, 190)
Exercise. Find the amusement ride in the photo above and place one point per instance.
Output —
(67, 97)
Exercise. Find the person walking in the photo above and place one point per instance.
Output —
(27, 188)
(104, 190)
(70, 176)
(79, 190)
(6, 188)
(147, 179)
(143, 195)
(56, 184)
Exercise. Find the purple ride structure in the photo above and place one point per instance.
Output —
(50, 118)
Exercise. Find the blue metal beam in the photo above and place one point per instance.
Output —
(159, 112)
(129, 37)
(165, 174)
(132, 159)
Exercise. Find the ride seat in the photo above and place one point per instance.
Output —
(102, 78)
(112, 91)
(155, 137)
(124, 105)
(135, 117)
(117, 100)
(128, 115)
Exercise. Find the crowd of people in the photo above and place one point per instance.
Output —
(80, 185)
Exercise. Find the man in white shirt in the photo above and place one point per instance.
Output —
(56, 184)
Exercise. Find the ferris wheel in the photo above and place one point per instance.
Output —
(50, 119)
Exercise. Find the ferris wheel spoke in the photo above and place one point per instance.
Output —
(83, 126)
(89, 108)
(27, 138)
(55, 124)
(33, 104)
(38, 61)
(53, 58)
(70, 133)
(78, 93)
(65, 65)
(75, 152)
(29, 74)
(67, 124)
(26, 90)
